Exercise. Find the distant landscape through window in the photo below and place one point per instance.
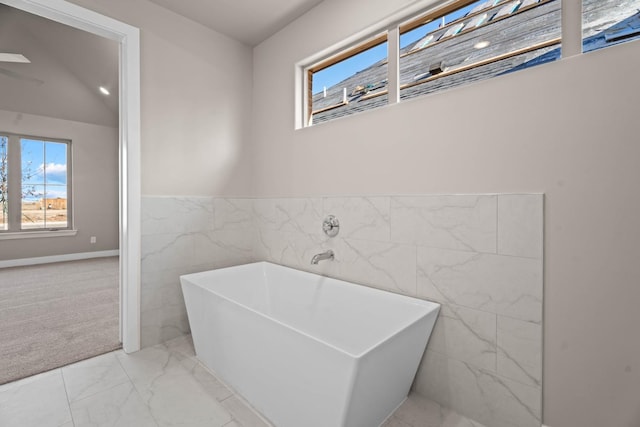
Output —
(34, 184)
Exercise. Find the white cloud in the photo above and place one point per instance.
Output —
(55, 168)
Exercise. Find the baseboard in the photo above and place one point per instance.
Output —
(57, 258)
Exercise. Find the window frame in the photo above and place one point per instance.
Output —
(438, 13)
(14, 188)
(393, 27)
(341, 55)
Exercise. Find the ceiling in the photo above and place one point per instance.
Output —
(250, 21)
(59, 82)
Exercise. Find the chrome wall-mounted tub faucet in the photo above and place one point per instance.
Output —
(322, 256)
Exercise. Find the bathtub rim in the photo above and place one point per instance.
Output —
(434, 310)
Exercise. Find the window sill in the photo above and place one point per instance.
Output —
(37, 234)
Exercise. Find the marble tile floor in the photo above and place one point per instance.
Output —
(159, 386)
(418, 411)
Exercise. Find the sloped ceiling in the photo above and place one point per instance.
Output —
(250, 21)
(68, 65)
(67, 68)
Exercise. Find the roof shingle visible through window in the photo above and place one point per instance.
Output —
(537, 25)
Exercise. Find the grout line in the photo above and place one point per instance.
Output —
(122, 367)
(497, 348)
(485, 371)
(64, 383)
(228, 397)
(135, 388)
(415, 254)
(101, 391)
(238, 397)
(106, 389)
(497, 224)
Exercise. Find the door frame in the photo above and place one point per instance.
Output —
(128, 38)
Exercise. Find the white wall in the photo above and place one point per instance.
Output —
(95, 186)
(566, 129)
(196, 102)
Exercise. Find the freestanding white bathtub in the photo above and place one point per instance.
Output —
(306, 350)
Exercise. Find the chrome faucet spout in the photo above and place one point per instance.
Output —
(322, 256)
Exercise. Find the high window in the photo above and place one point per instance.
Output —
(456, 43)
(356, 78)
(35, 182)
(609, 22)
(471, 41)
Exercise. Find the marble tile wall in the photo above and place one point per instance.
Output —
(182, 235)
(480, 256)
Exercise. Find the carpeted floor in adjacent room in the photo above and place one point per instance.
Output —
(55, 314)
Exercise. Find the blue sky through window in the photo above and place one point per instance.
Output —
(44, 169)
(347, 68)
(350, 66)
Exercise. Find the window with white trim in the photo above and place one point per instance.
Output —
(453, 44)
(35, 182)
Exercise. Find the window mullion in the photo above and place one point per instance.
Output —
(14, 183)
(69, 188)
(45, 197)
(393, 67)
(571, 27)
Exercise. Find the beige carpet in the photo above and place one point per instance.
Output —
(55, 314)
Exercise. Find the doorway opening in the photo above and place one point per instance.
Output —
(128, 40)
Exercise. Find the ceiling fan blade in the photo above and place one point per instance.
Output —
(19, 76)
(13, 57)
